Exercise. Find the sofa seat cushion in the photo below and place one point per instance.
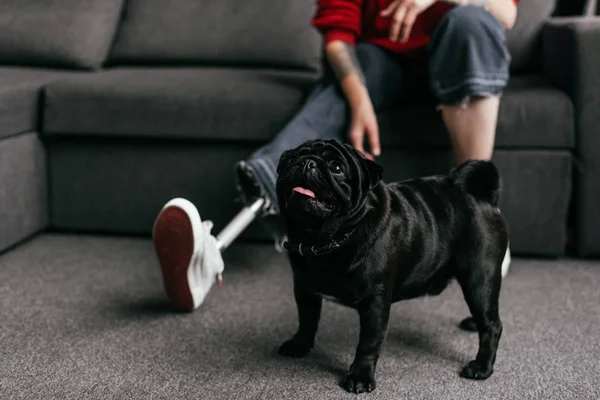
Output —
(207, 103)
(532, 115)
(20, 90)
(64, 33)
(253, 105)
(258, 32)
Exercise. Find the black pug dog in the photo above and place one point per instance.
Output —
(367, 244)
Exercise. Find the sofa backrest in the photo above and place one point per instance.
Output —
(78, 33)
(251, 32)
(60, 33)
(523, 40)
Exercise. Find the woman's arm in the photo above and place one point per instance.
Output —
(344, 63)
(340, 22)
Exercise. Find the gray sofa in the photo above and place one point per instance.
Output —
(110, 108)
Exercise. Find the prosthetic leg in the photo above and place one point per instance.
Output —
(235, 228)
(189, 255)
(238, 224)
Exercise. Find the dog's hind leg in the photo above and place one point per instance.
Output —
(468, 324)
(481, 289)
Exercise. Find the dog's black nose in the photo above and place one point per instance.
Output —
(309, 164)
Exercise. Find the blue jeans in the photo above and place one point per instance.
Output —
(467, 58)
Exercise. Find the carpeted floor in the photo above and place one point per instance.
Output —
(85, 318)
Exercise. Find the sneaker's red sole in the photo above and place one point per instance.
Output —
(174, 244)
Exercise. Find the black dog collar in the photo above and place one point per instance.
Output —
(305, 250)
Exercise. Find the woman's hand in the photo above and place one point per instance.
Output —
(404, 13)
(364, 123)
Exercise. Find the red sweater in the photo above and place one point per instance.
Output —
(352, 20)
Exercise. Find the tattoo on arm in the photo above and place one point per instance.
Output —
(344, 62)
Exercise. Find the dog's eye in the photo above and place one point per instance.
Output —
(336, 168)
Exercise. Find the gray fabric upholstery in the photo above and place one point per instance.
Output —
(86, 317)
(264, 32)
(254, 105)
(524, 39)
(218, 103)
(570, 7)
(108, 186)
(533, 114)
(65, 33)
(23, 188)
(20, 97)
(572, 62)
(592, 7)
(536, 187)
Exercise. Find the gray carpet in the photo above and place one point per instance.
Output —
(85, 317)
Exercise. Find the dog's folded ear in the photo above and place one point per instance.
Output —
(375, 172)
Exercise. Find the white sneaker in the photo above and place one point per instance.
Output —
(506, 262)
(188, 255)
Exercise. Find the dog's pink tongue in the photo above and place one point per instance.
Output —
(304, 191)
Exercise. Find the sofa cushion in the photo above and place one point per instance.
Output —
(23, 188)
(264, 32)
(215, 103)
(66, 33)
(20, 97)
(253, 105)
(523, 40)
(532, 114)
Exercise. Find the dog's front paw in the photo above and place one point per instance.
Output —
(295, 348)
(475, 370)
(357, 381)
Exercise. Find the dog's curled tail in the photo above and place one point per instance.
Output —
(480, 179)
